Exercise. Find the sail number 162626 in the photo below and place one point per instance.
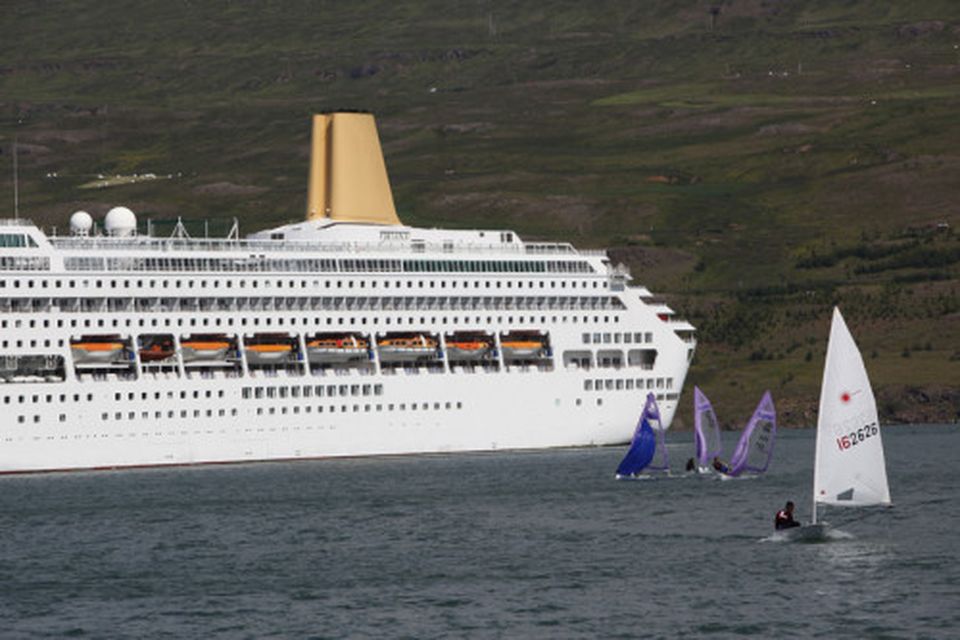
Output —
(854, 438)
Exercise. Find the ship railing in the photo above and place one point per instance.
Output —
(147, 243)
(16, 222)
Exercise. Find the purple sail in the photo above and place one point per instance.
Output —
(706, 429)
(755, 449)
(647, 450)
(661, 461)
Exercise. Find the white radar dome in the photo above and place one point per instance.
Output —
(120, 221)
(80, 223)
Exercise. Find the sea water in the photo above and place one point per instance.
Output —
(523, 545)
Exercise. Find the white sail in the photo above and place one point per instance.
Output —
(849, 469)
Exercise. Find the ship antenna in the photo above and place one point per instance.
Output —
(16, 182)
(180, 231)
(234, 231)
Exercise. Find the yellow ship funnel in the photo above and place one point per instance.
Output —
(348, 177)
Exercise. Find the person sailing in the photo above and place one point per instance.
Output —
(784, 518)
(719, 465)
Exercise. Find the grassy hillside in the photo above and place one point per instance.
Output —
(754, 162)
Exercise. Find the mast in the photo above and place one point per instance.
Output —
(16, 183)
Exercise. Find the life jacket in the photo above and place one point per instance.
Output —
(783, 519)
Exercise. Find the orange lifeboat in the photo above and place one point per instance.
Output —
(204, 348)
(335, 349)
(157, 351)
(522, 348)
(87, 351)
(269, 350)
(406, 348)
(467, 349)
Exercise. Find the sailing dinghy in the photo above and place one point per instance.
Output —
(849, 468)
(706, 430)
(648, 451)
(755, 448)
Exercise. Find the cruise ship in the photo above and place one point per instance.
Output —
(347, 334)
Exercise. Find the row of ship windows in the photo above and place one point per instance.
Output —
(628, 384)
(283, 410)
(329, 265)
(16, 241)
(592, 283)
(337, 303)
(144, 415)
(617, 338)
(319, 391)
(305, 391)
(229, 322)
(366, 408)
(50, 398)
(170, 395)
(24, 263)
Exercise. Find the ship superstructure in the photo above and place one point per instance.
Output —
(330, 337)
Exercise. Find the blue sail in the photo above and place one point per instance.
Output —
(643, 448)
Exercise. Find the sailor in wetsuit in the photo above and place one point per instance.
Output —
(784, 518)
(718, 465)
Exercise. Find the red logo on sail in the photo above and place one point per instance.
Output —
(847, 396)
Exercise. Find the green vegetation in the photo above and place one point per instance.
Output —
(754, 167)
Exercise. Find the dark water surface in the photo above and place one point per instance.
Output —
(539, 544)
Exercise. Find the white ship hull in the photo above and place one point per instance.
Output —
(609, 348)
(485, 413)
